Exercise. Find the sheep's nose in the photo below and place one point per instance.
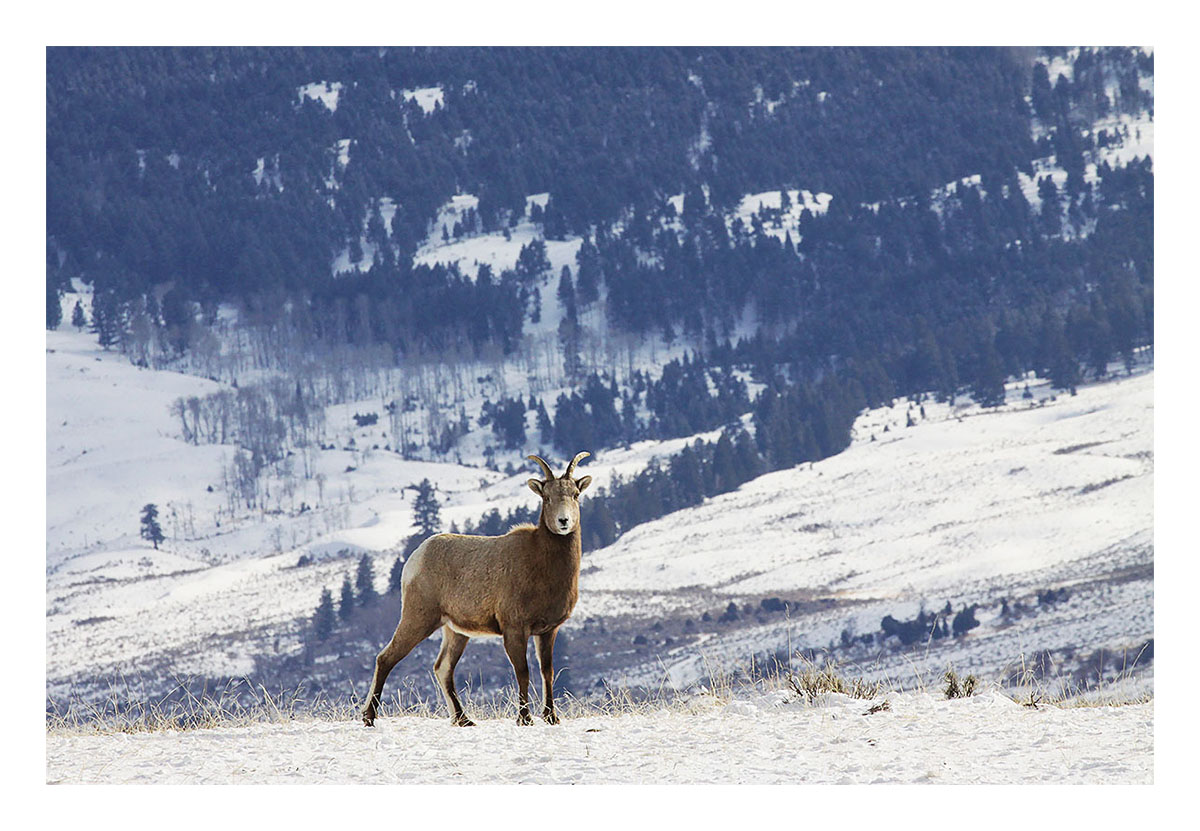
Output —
(562, 522)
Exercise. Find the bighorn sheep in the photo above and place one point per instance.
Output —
(524, 583)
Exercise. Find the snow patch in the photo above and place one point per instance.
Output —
(429, 99)
(324, 91)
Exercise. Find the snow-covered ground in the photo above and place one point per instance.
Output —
(767, 739)
(427, 98)
(783, 223)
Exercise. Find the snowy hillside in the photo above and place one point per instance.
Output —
(965, 506)
(768, 739)
(964, 498)
(225, 585)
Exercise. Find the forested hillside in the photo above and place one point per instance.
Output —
(795, 233)
(241, 174)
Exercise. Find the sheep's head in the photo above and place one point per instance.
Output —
(560, 496)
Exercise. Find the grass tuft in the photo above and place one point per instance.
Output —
(955, 688)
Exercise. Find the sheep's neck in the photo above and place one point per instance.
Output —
(568, 545)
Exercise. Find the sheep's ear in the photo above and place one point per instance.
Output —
(535, 485)
(583, 483)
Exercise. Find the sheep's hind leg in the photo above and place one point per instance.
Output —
(408, 634)
(453, 644)
(515, 644)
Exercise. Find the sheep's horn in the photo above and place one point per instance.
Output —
(571, 467)
(545, 467)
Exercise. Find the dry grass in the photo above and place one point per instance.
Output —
(813, 680)
(242, 704)
(238, 704)
(964, 688)
(1036, 689)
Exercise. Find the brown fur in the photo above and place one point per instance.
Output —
(520, 585)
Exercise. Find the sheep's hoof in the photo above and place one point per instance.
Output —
(368, 719)
(524, 720)
(549, 717)
(462, 721)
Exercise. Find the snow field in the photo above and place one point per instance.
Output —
(945, 504)
(764, 739)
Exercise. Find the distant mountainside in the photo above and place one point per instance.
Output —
(837, 226)
(236, 174)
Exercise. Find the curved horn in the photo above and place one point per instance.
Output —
(571, 467)
(545, 467)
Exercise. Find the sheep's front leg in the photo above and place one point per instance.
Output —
(545, 655)
(515, 644)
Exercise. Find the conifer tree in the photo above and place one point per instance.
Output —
(544, 424)
(151, 530)
(426, 509)
(323, 619)
(78, 317)
(988, 389)
(365, 581)
(107, 318)
(566, 294)
(53, 306)
(346, 607)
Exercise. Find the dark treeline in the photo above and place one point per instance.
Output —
(208, 170)
(793, 423)
(978, 280)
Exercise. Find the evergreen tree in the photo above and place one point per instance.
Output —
(532, 262)
(1062, 365)
(365, 581)
(107, 318)
(544, 424)
(724, 466)
(566, 294)
(588, 280)
(151, 530)
(78, 317)
(988, 389)
(965, 621)
(324, 620)
(53, 306)
(426, 509)
(346, 607)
